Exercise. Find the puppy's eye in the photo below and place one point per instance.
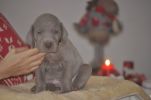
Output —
(56, 31)
(39, 32)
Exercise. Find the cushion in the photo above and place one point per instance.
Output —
(10, 39)
(97, 88)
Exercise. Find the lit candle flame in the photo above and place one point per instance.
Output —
(107, 62)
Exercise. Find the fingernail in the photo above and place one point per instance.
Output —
(34, 68)
(35, 49)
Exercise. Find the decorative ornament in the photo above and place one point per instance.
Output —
(99, 23)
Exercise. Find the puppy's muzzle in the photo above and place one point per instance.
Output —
(48, 44)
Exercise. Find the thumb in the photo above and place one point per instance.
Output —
(10, 53)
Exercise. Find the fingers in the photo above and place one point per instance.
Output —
(20, 53)
(21, 61)
(36, 63)
(29, 67)
(32, 69)
(21, 49)
(32, 59)
(26, 71)
(28, 53)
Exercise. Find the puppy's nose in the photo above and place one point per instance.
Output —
(48, 44)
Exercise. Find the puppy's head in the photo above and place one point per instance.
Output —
(46, 33)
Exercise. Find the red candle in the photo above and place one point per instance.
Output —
(107, 69)
(107, 66)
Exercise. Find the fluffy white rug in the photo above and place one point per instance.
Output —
(97, 88)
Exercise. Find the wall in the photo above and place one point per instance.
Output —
(133, 44)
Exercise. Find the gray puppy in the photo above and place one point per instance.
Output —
(62, 70)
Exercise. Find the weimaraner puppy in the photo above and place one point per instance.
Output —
(62, 70)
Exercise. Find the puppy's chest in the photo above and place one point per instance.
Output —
(54, 58)
(53, 69)
(53, 65)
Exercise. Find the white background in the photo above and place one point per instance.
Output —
(133, 44)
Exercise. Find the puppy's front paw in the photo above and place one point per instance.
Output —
(77, 87)
(66, 89)
(52, 87)
(33, 89)
(36, 89)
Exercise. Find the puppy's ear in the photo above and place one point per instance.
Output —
(30, 37)
(64, 33)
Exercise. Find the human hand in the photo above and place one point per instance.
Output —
(20, 61)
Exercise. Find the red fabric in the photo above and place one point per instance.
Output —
(9, 39)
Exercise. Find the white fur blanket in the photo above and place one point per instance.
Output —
(97, 88)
